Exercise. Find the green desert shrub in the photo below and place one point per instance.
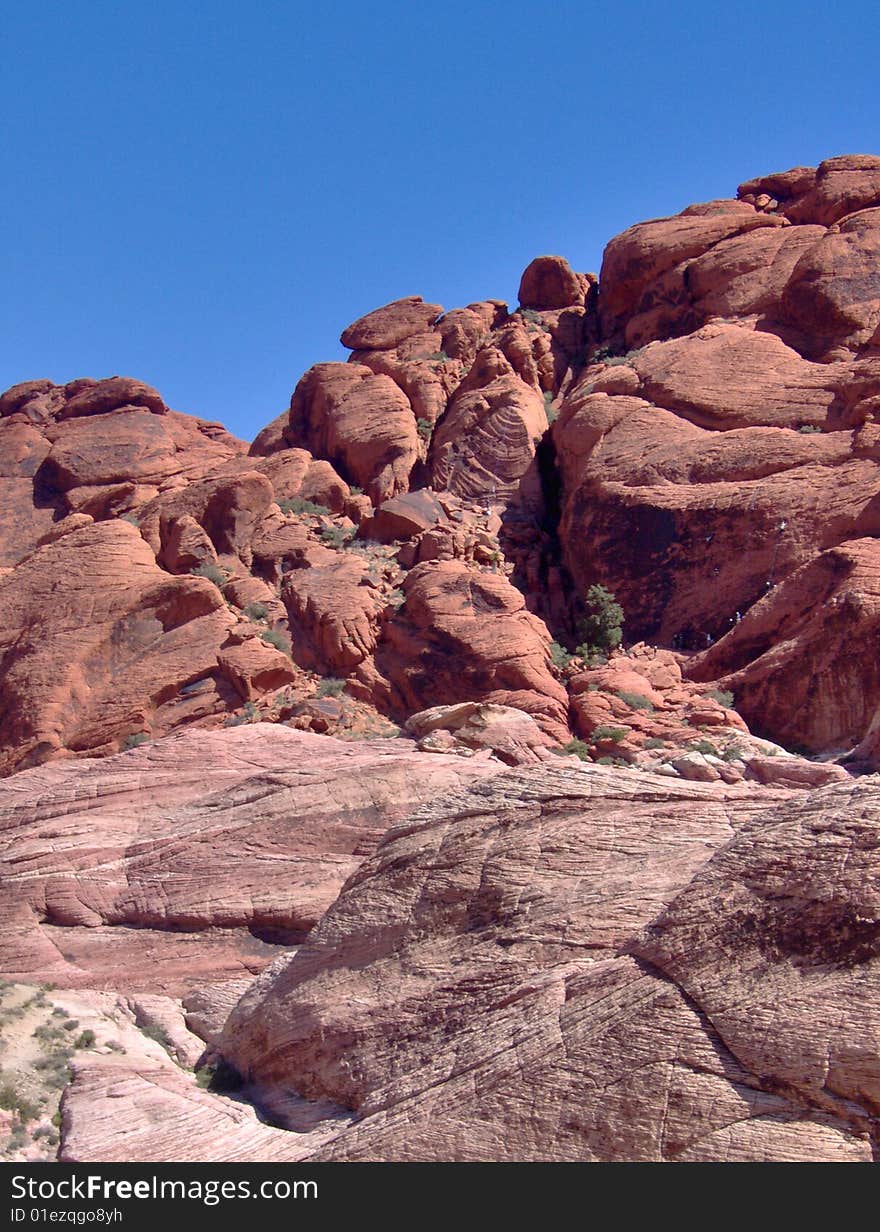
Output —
(635, 701)
(724, 697)
(615, 734)
(600, 628)
(276, 639)
(13, 1100)
(158, 1034)
(256, 611)
(212, 572)
(578, 747)
(330, 686)
(298, 505)
(559, 656)
(336, 536)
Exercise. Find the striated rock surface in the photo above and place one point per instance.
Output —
(670, 955)
(503, 979)
(177, 862)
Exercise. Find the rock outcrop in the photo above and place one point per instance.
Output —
(438, 871)
(193, 858)
(504, 979)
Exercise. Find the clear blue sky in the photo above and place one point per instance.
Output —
(203, 195)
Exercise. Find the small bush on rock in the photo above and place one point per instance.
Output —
(276, 639)
(297, 505)
(330, 686)
(212, 573)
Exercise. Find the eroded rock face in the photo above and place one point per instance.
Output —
(484, 447)
(360, 421)
(726, 442)
(549, 283)
(524, 925)
(96, 447)
(465, 635)
(92, 657)
(675, 961)
(191, 858)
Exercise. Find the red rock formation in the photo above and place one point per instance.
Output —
(549, 283)
(466, 635)
(90, 658)
(484, 447)
(361, 422)
(389, 326)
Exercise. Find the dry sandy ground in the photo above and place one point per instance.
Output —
(43, 1031)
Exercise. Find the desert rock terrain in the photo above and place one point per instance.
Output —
(482, 763)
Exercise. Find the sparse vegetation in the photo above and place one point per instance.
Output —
(330, 686)
(249, 714)
(578, 747)
(706, 747)
(614, 734)
(424, 429)
(276, 639)
(438, 357)
(396, 598)
(85, 1039)
(635, 701)
(654, 742)
(158, 1034)
(809, 428)
(600, 626)
(534, 318)
(549, 409)
(256, 611)
(134, 739)
(298, 505)
(559, 656)
(54, 1068)
(609, 355)
(212, 572)
(337, 536)
(723, 697)
(355, 490)
(13, 1100)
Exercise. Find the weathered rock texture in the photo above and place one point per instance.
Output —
(721, 438)
(591, 965)
(562, 961)
(193, 857)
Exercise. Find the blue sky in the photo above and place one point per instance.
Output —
(203, 195)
